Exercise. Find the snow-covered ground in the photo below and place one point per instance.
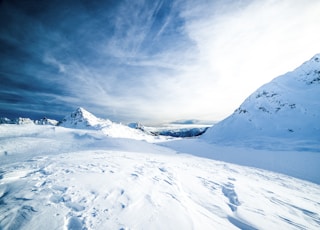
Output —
(297, 159)
(63, 178)
(92, 173)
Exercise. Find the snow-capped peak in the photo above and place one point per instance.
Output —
(81, 118)
(82, 114)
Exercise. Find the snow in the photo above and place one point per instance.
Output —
(46, 121)
(257, 169)
(281, 156)
(82, 119)
(83, 179)
(276, 128)
(172, 130)
(287, 107)
(25, 121)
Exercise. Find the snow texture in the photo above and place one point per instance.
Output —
(82, 179)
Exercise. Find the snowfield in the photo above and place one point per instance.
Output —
(257, 169)
(63, 178)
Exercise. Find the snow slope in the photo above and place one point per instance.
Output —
(281, 156)
(65, 178)
(287, 107)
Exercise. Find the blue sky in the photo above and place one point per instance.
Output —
(149, 61)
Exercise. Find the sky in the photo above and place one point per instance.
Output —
(148, 61)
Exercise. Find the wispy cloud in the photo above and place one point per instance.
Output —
(246, 45)
(150, 60)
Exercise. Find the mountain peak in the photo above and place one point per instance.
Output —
(82, 113)
(81, 110)
(81, 118)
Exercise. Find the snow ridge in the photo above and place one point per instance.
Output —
(286, 107)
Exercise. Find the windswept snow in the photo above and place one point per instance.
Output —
(83, 179)
(281, 156)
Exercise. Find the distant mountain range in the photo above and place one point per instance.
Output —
(82, 119)
(286, 107)
(24, 121)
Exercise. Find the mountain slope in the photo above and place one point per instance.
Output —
(287, 107)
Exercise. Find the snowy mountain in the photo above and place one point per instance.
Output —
(181, 132)
(28, 121)
(46, 121)
(172, 130)
(82, 119)
(5, 120)
(17, 121)
(141, 127)
(287, 107)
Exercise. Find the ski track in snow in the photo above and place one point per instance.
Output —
(79, 179)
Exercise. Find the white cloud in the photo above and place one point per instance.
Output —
(230, 50)
(247, 45)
